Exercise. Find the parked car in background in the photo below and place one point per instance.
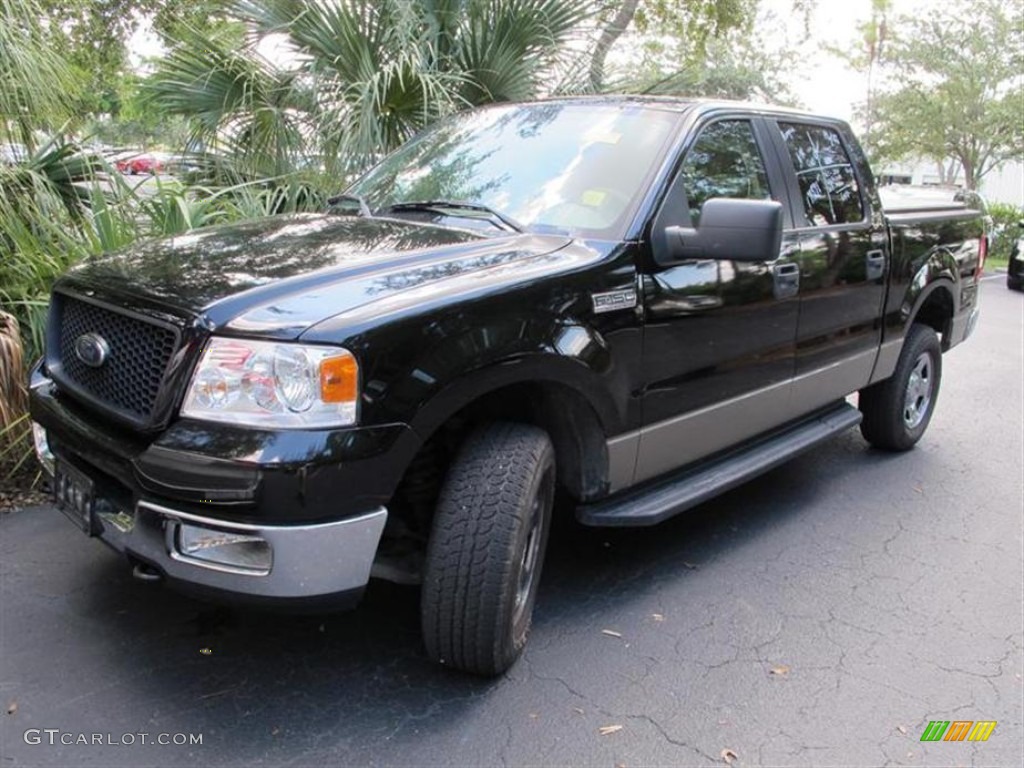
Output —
(1015, 269)
(146, 162)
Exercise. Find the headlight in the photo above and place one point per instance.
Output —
(267, 384)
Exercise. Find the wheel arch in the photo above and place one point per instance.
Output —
(542, 392)
(931, 298)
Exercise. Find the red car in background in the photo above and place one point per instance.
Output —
(147, 162)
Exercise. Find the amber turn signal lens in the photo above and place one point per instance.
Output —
(339, 379)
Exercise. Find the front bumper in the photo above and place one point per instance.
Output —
(329, 560)
(297, 496)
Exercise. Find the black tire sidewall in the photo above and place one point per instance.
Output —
(544, 475)
(472, 570)
(883, 403)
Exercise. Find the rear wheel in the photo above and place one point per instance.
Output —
(897, 411)
(487, 547)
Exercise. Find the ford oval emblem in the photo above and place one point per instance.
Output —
(92, 349)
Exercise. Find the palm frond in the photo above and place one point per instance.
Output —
(34, 79)
(238, 100)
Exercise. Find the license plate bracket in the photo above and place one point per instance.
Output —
(75, 495)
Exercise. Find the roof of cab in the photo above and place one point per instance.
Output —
(680, 104)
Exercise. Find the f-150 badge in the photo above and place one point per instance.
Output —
(613, 300)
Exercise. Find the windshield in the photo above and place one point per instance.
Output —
(577, 169)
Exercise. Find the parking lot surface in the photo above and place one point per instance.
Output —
(820, 615)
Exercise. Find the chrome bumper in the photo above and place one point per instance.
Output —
(308, 561)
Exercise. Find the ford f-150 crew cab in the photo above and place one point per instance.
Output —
(635, 302)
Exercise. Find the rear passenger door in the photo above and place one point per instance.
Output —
(843, 260)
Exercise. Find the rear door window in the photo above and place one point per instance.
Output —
(828, 184)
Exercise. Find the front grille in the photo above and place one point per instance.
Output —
(129, 381)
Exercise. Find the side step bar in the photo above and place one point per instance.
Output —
(657, 502)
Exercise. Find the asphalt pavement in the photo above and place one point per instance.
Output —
(823, 614)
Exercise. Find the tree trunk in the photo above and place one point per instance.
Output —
(969, 181)
(612, 32)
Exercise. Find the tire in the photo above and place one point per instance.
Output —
(1014, 285)
(486, 549)
(897, 411)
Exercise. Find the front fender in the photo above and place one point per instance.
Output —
(438, 382)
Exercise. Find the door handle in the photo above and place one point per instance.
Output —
(875, 264)
(787, 280)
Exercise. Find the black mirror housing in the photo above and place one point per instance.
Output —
(730, 229)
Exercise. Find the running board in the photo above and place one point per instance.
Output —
(659, 501)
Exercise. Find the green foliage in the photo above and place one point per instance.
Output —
(92, 39)
(959, 89)
(35, 81)
(90, 36)
(737, 66)
(690, 25)
(1005, 228)
(714, 48)
(368, 74)
(699, 20)
(174, 18)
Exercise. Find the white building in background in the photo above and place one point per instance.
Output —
(1002, 185)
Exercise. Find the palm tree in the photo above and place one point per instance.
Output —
(34, 80)
(363, 76)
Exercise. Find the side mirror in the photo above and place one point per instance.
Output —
(730, 229)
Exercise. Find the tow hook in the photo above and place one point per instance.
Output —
(144, 572)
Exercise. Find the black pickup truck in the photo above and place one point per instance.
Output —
(625, 304)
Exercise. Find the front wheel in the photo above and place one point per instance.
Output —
(897, 411)
(487, 547)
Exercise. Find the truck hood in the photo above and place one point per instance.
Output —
(277, 277)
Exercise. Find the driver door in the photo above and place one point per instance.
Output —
(719, 334)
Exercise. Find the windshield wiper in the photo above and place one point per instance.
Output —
(344, 197)
(495, 217)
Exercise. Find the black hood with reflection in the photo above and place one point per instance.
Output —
(278, 276)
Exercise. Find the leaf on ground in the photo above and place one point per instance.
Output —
(729, 755)
(918, 489)
(657, 617)
(608, 730)
(901, 728)
(12, 708)
(578, 711)
(611, 633)
(780, 671)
